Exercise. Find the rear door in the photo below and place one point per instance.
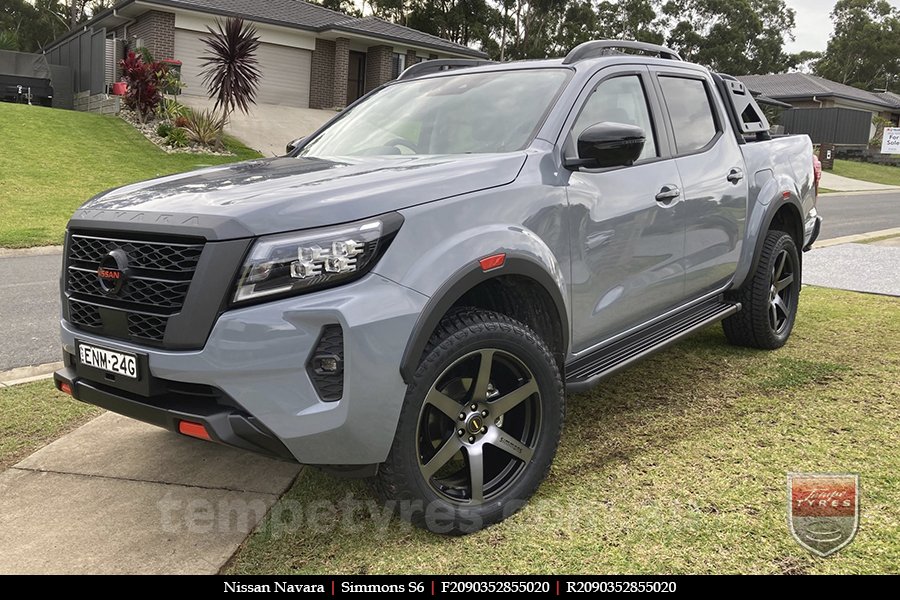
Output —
(711, 165)
(627, 223)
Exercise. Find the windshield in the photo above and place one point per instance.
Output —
(498, 111)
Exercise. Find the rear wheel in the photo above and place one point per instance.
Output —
(479, 426)
(768, 300)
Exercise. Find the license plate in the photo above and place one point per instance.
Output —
(110, 361)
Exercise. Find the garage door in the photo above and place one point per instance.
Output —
(285, 71)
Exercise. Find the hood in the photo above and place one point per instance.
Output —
(281, 194)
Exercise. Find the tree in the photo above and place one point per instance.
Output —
(347, 7)
(740, 37)
(864, 50)
(230, 69)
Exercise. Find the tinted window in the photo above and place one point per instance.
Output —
(690, 113)
(619, 100)
(462, 113)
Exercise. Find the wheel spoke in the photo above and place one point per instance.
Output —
(476, 473)
(778, 303)
(480, 389)
(773, 315)
(511, 446)
(441, 457)
(443, 403)
(783, 283)
(504, 404)
(779, 265)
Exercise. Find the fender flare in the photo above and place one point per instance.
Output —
(461, 282)
(771, 211)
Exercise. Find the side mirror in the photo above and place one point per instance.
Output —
(608, 145)
(292, 145)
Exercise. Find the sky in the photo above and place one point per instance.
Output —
(813, 24)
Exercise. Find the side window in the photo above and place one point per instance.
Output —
(619, 100)
(690, 112)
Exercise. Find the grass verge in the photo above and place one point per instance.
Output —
(884, 174)
(676, 465)
(35, 414)
(55, 160)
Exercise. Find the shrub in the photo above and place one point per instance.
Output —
(169, 109)
(177, 137)
(231, 72)
(205, 127)
(182, 120)
(163, 130)
(144, 84)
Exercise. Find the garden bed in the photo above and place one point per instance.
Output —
(149, 129)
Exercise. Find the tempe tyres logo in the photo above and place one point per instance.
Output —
(823, 510)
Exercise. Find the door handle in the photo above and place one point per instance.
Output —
(668, 195)
(735, 175)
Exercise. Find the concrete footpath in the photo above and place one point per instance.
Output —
(871, 267)
(119, 496)
(836, 183)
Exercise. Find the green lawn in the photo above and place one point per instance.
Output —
(676, 465)
(54, 160)
(884, 174)
(35, 414)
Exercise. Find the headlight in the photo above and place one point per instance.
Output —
(303, 261)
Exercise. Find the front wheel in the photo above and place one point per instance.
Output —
(768, 300)
(479, 427)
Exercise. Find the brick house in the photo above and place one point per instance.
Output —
(309, 56)
(801, 90)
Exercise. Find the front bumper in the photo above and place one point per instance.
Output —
(223, 423)
(257, 356)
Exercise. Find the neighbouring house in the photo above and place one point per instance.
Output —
(309, 56)
(810, 91)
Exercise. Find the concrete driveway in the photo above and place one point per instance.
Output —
(117, 496)
(269, 127)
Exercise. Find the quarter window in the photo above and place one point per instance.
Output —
(619, 100)
(690, 112)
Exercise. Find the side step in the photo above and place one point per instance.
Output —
(585, 372)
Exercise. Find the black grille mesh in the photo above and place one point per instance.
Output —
(85, 315)
(159, 276)
(177, 258)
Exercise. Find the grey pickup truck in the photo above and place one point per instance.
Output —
(410, 292)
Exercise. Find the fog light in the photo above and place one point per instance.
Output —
(327, 365)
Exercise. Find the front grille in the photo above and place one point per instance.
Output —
(159, 276)
(177, 258)
(85, 315)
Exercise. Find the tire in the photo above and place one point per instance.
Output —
(769, 299)
(455, 419)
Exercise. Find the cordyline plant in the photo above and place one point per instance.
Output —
(231, 72)
(145, 82)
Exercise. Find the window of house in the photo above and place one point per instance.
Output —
(398, 64)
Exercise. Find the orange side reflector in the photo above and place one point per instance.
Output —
(193, 429)
(785, 195)
(65, 387)
(492, 262)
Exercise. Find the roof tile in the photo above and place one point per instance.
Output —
(791, 86)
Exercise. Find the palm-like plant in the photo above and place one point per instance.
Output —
(231, 72)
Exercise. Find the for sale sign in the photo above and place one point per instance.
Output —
(890, 142)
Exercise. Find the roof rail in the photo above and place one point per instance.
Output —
(427, 67)
(605, 47)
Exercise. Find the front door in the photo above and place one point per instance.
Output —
(628, 223)
(356, 76)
